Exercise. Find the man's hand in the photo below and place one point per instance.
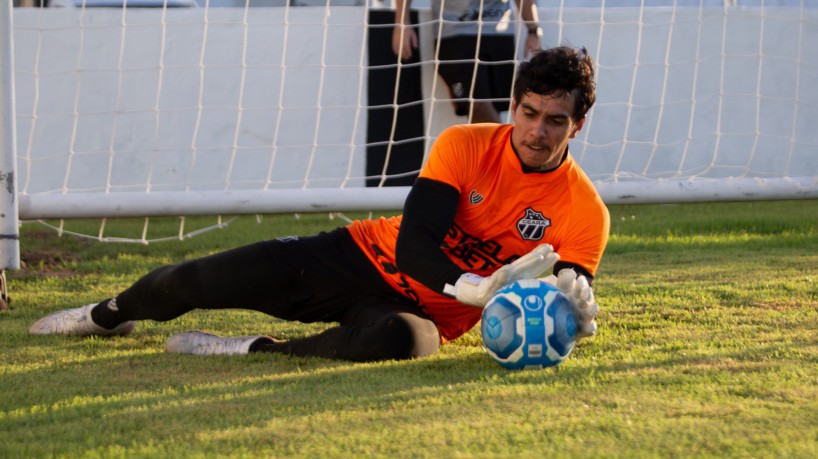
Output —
(404, 40)
(476, 290)
(581, 296)
(532, 45)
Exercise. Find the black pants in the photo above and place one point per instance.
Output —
(322, 278)
(494, 73)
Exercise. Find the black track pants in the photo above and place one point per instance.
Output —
(322, 278)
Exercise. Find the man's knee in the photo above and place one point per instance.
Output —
(407, 336)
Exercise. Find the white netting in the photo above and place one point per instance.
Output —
(703, 92)
(208, 110)
(188, 99)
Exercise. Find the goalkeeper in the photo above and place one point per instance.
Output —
(494, 203)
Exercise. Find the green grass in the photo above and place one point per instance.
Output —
(708, 347)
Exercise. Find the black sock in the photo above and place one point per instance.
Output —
(106, 314)
(264, 345)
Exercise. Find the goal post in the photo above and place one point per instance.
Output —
(9, 223)
(212, 110)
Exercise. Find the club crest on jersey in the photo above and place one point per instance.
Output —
(475, 197)
(532, 226)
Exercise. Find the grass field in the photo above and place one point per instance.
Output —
(708, 347)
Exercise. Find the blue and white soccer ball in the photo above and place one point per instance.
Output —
(528, 324)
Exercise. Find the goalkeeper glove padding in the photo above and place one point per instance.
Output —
(476, 290)
(581, 296)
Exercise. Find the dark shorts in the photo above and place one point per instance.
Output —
(326, 278)
(495, 72)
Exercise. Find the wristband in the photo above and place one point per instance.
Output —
(535, 31)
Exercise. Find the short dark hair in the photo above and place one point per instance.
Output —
(556, 72)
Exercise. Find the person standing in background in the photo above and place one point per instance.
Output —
(473, 33)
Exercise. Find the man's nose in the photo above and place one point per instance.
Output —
(541, 130)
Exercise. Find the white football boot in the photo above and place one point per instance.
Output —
(200, 343)
(77, 322)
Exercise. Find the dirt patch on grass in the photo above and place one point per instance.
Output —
(48, 263)
(43, 260)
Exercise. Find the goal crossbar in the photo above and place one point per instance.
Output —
(133, 204)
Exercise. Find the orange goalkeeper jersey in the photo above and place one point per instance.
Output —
(503, 213)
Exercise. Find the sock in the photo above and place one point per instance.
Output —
(265, 345)
(106, 314)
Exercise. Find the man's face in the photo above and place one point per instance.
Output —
(542, 128)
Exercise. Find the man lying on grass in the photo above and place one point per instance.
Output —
(494, 203)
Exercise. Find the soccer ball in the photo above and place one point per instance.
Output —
(528, 324)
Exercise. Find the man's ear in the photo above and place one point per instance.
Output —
(578, 127)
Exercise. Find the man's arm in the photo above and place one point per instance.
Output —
(531, 25)
(427, 216)
(404, 37)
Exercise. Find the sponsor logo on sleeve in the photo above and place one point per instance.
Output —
(475, 197)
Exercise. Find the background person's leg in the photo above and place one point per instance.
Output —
(484, 112)
(497, 54)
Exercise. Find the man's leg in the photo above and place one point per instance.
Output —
(244, 277)
(484, 112)
(367, 333)
(241, 277)
(497, 54)
(469, 86)
(321, 278)
(310, 279)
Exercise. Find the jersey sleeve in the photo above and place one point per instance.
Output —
(451, 158)
(589, 237)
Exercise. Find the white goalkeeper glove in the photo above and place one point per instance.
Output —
(476, 290)
(581, 296)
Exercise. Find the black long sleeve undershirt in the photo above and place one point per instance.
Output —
(427, 216)
(560, 265)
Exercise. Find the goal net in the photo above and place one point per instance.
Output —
(252, 107)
